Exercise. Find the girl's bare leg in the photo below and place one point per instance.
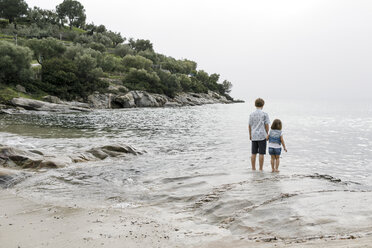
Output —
(277, 162)
(272, 163)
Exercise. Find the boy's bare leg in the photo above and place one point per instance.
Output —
(261, 159)
(272, 163)
(253, 161)
(277, 161)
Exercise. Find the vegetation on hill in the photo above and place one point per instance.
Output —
(74, 56)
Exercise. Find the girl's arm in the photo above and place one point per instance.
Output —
(282, 140)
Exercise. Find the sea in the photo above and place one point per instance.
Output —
(195, 169)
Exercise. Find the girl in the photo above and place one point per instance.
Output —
(275, 138)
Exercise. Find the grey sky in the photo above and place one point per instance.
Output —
(267, 48)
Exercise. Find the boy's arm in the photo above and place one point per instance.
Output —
(282, 140)
(250, 132)
(267, 123)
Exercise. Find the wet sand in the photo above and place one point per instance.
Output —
(24, 223)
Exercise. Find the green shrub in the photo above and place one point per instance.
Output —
(122, 50)
(137, 62)
(69, 79)
(140, 79)
(97, 46)
(4, 23)
(14, 63)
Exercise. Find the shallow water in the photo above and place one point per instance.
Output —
(196, 171)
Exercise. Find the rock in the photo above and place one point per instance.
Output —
(161, 99)
(16, 158)
(5, 177)
(99, 101)
(172, 104)
(6, 111)
(80, 158)
(9, 178)
(75, 104)
(34, 159)
(122, 149)
(20, 88)
(36, 105)
(144, 99)
(113, 151)
(98, 153)
(126, 101)
(52, 99)
(193, 99)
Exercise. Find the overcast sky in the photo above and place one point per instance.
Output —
(267, 48)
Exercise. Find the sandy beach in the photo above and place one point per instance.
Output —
(24, 223)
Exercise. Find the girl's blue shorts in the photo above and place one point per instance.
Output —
(275, 151)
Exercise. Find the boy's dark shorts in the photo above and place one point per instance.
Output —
(259, 147)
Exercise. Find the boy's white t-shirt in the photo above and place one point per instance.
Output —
(275, 145)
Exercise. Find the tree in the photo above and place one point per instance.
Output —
(98, 47)
(60, 79)
(140, 45)
(143, 80)
(101, 29)
(171, 65)
(111, 63)
(15, 63)
(202, 77)
(123, 49)
(151, 55)
(188, 66)
(171, 83)
(74, 11)
(115, 37)
(42, 17)
(70, 79)
(103, 39)
(137, 62)
(227, 85)
(12, 9)
(46, 48)
(185, 82)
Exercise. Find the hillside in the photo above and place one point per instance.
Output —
(55, 52)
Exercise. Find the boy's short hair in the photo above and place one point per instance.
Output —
(277, 125)
(259, 103)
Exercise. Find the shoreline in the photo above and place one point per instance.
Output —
(24, 223)
(131, 99)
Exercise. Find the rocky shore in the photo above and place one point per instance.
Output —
(114, 100)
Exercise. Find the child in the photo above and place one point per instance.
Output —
(275, 138)
(258, 131)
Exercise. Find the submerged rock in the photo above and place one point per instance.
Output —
(113, 151)
(16, 158)
(9, 178)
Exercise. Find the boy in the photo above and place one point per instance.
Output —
(258, 131)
